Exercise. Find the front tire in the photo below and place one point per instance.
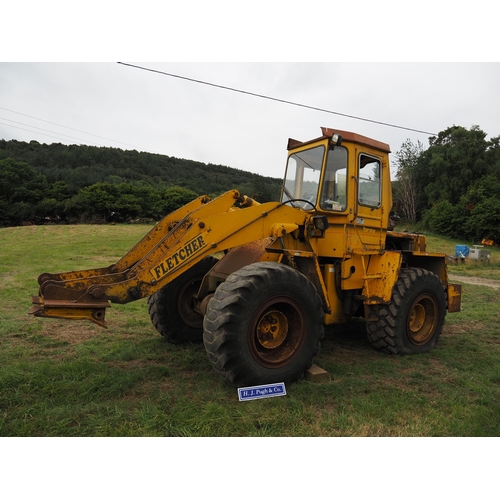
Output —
(171, 308)
(263, 325)
(413, 321)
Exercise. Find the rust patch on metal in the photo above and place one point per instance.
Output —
(357, 138)
(454, 297)
(240, 256)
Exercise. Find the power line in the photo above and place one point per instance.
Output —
(39, 128)
(33, 132)
(63, 126)
(276, 99)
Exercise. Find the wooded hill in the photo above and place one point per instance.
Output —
(49, 181)
(451, 188)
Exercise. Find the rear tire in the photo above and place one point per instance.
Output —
(263, 325)
(413, 321)
(171, 308)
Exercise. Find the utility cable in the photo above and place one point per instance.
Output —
(276, 99)
(39, 133)
(64, 126)
(38, 128)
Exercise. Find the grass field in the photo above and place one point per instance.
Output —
(64, 378)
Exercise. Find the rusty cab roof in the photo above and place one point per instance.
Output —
(347, 136)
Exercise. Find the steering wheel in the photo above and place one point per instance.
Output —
(301, 200)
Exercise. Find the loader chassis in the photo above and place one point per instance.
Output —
(258, 282)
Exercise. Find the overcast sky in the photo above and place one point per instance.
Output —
(110, 104)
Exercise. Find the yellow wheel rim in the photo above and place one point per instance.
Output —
(422, 320)
(272, 329)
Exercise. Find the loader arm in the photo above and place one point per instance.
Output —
(178, 242)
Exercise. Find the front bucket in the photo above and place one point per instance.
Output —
(66, 309)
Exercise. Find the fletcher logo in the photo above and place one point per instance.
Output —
(190, 248)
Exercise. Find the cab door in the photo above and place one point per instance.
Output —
(369, 212)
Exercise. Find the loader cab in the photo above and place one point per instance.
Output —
(344, 176)
(337, 157)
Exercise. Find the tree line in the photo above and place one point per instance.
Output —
(40, 183)
(451, 188)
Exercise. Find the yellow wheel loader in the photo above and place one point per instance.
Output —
(258, 282)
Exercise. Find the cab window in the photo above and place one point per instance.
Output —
(302, 177)
(334, 193)
(369, 181)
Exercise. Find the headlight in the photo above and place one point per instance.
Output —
(336, 139)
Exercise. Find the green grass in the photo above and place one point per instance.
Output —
(65, 378)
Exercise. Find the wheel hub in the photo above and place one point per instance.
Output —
(417, 318)
(422, 320)
(187, 304)
(272, 329)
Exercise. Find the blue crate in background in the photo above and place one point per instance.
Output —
(461, 251)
